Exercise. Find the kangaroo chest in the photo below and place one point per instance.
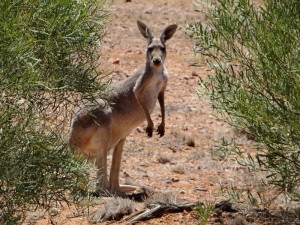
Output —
(126, 110)
(152, 89)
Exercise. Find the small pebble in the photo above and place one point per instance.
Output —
(175, 179)
(116, 61)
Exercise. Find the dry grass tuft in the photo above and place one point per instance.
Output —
(178, 169)
(114, 208)
(162, 198)
(164, 158)
(237, 220)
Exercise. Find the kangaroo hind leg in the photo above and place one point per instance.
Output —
(115, 186)
(100, 143)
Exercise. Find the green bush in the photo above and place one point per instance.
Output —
(254, 53)
(49, 52)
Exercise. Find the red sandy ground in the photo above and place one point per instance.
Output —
(193, 173)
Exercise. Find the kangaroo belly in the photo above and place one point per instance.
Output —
(127, 120)
(123, 124)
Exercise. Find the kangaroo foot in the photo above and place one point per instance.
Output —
(100, 193)
(128, 191)
(130, 188)
(134, 192)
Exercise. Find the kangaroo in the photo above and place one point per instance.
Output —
(131, 102)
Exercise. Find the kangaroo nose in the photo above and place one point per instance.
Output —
(156, 60)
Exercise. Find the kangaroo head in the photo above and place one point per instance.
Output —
(156, 49)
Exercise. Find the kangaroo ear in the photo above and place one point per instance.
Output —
(168, 32)
(144, 29)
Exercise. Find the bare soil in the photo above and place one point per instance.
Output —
(184, 164)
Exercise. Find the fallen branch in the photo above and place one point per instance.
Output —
(158, 210)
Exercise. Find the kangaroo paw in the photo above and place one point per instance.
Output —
(149, 131)
(161, 130)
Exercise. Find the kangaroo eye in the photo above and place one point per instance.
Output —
(150, 49)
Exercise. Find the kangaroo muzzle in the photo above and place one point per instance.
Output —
(156, 55)
(156, 60)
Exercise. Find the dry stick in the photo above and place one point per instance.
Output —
(158, 210)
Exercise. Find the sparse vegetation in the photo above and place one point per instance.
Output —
(254, 55)
(48, 59)
(163, 198)
(178, 169)
(164, 158)
(114, 209)
(204, 211)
